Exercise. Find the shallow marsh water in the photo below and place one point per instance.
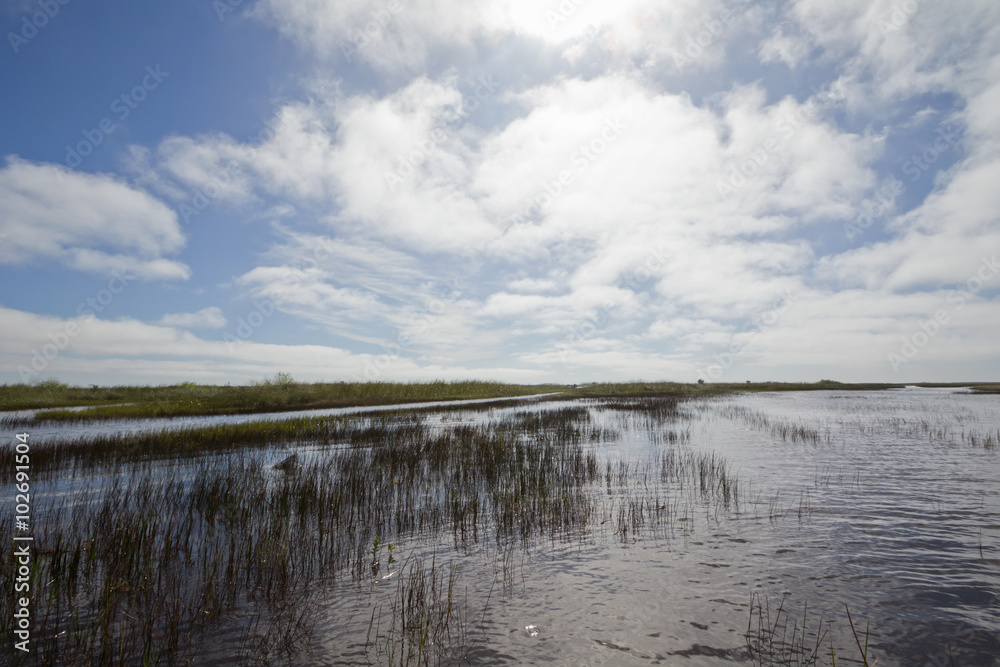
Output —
(886, 502)
(889, 510)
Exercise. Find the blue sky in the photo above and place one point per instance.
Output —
(524, 191)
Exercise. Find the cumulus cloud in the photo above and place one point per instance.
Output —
(87, 222)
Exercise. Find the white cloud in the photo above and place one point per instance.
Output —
(402, 169)
(87, 222)
(530, 285)
(138, 353)
(645, 170)
(412, 173)
(887, 51)
(403, 37)
(344, 286)
(209, 164)
(206, 318)
(782, 47)
(400, 34)
(367, 292)
(947, 235)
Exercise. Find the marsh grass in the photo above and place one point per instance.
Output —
(140, 571)
(170, 537)
(934, 428)
(778, 638)
(986, 440)
(427, 621)
(780, 428)
(279, 394)
(641, 389)
(120, 448)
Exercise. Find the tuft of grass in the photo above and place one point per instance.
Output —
(779, 639)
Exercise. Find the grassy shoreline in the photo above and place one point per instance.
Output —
(282, 394)
(278, 395)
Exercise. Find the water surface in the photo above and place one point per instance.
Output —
(883, 503)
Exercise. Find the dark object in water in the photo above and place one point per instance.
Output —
(289, 464)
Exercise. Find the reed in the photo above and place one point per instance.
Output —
(778, 638)
(427, 620)
(780, 428)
